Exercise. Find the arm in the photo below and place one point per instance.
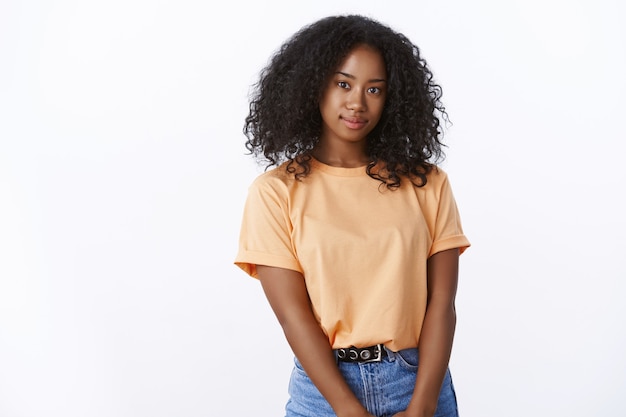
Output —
(287, 294)
(435, 343)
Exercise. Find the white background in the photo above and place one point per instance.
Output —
(123, 175)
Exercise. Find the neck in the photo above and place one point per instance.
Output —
(347, 156)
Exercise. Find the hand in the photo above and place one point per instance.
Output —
(364, 414)
(361, 413)
(406, 414)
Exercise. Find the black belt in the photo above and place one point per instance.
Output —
(374, 353)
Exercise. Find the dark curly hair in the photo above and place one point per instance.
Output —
(284, 123)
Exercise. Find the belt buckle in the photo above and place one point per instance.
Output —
(378, 354)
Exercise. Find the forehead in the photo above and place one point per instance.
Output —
(363, 60)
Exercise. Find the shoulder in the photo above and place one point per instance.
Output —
(436, 179)
(276, 179)
(437, 174)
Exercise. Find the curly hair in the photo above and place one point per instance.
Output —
(284, 122)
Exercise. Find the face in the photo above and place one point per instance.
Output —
(353, 99)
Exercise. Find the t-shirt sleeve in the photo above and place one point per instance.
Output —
(446, 228)
(266, 229)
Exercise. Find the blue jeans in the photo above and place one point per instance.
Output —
(384, 388)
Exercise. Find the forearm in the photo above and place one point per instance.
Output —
(437, 334)
(434, 355)
(286, 291)
(311, 347)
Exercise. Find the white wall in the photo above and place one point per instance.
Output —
(123, 175)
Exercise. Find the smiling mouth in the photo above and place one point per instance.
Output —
(354, 122)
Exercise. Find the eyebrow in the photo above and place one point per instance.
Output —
(374, 80)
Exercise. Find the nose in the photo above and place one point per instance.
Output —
(356, 100)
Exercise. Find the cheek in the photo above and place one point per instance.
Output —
(379, 107)
(328, 102)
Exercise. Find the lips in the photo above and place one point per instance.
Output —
(354, 122)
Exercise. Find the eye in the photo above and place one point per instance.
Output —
(343, 84)
(374, 90)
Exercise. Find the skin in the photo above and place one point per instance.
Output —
(437, 334)
(351, 105)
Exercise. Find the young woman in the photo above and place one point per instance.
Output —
(354, 234)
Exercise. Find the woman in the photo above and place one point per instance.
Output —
(355, 234)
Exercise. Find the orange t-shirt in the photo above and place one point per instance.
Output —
(361, 247)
